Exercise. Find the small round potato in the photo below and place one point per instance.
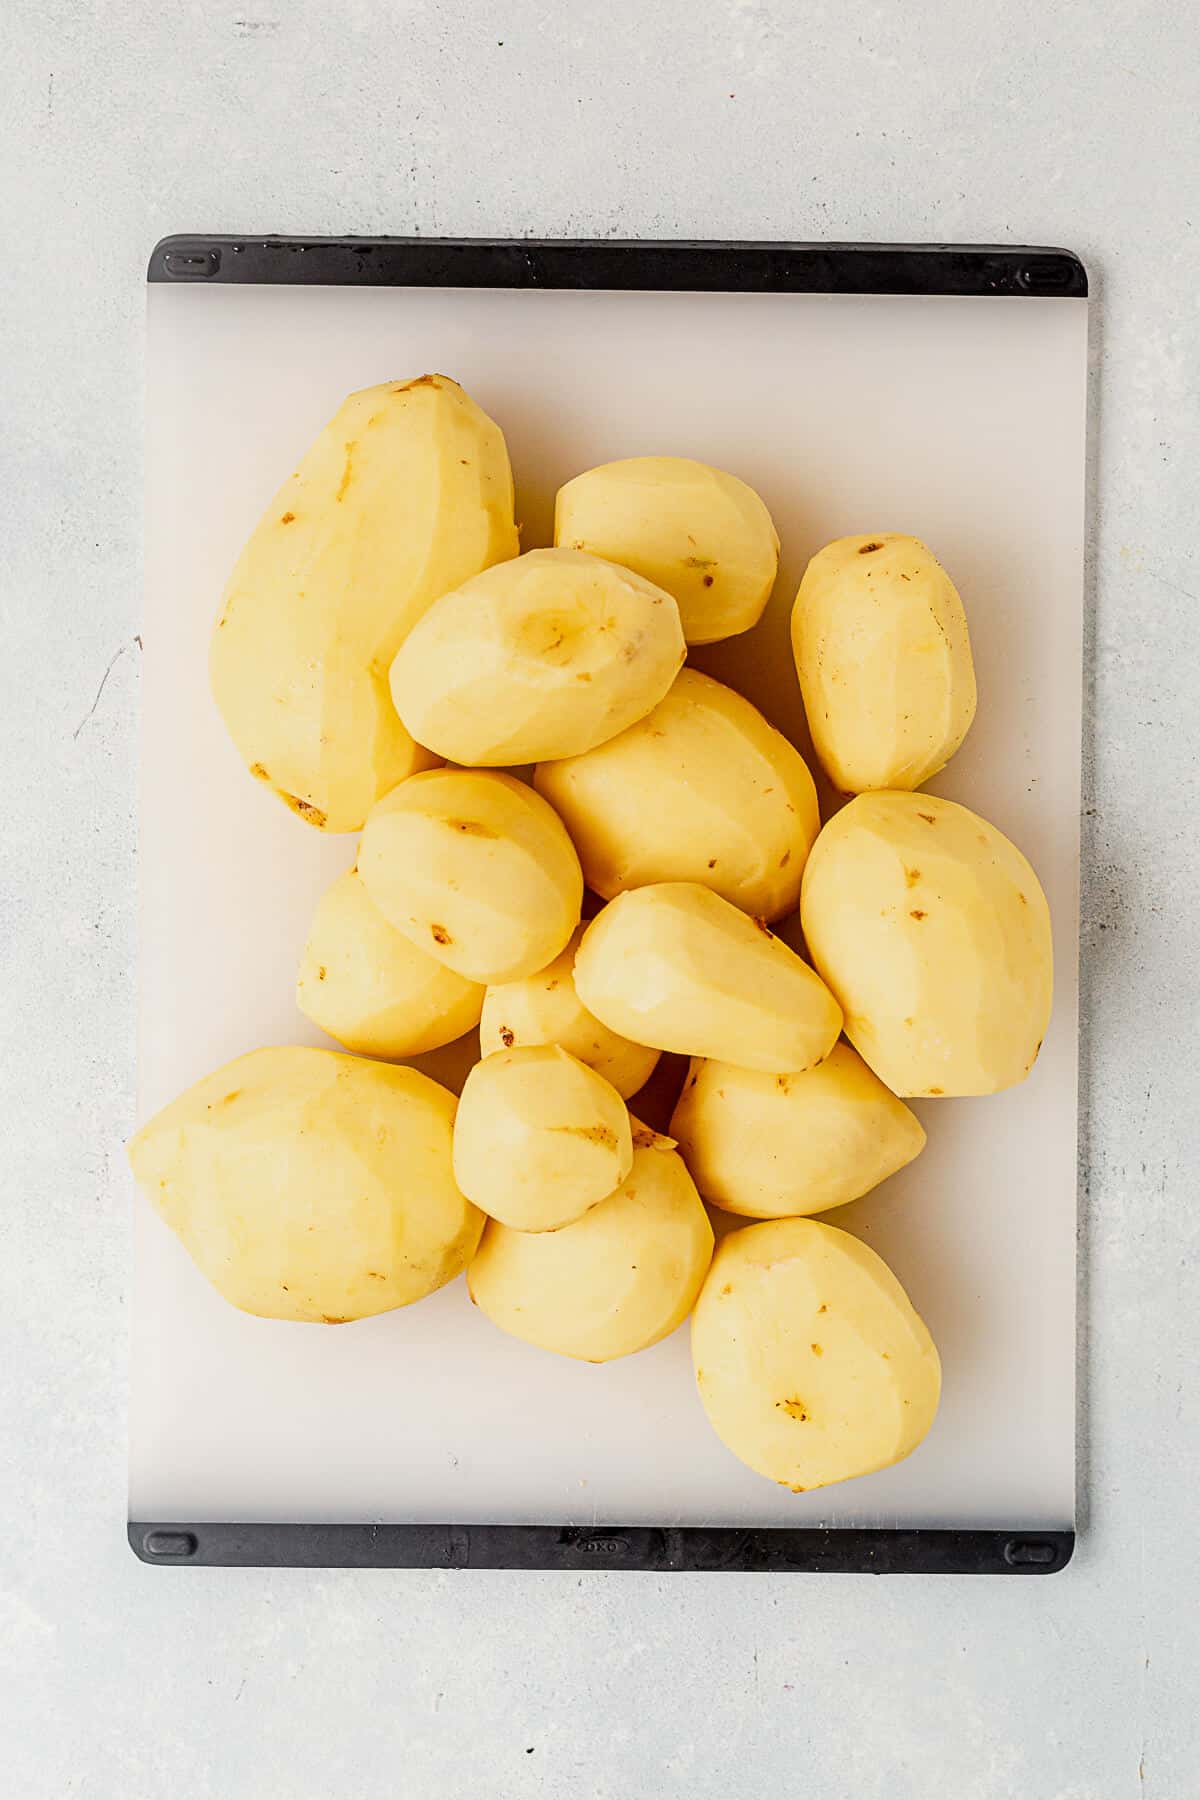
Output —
(367, 985)
(308, 1185)
(773, 1146)
(474, 868)
(701, 789)
(678, 967)
(884, 660)
(699, 533)
(933, 932)
(539, 1138)
(545, 1009)
(544, 656)
(616, 1281)
(812, 1364)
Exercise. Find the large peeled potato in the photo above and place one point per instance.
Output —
(701, 789)
(407, 492)
(615, 1281)
(474, 868)
(772, 1146)
(884, 660)
(367, 985)
(545, 1009)
(308, 1185)
(933, 931)
(699, 533)
(542, 657)
(678, 967)
(539, 1138)
(811, 1362)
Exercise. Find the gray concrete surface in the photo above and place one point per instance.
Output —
(1010, 120)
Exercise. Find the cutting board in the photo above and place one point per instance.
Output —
(950, 404)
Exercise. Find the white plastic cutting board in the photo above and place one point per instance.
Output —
(960, 420)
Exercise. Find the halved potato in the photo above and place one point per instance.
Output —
(545, 1009)
(773, 1146)
(405, 493)
(701, 789)
(474, 868)
(370, 987)
(933, 931)
(545, 656)
(308, 1185)
(884, 660)
(539, 1138)
(619, 1279)
(696, 531)
(676, 966)
(812, 1364)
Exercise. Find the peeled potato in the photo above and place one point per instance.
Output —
(407, 492)
(678, 967)
(933, 931)
(701, 789)
(308, 1185)
(811, 1362)
(615, 1281)
(884, 660)
(542, 657)
(540, 1137)
(367, 985)
(474, 868)
(773, 1146)
(545, 1009)
(699, 533)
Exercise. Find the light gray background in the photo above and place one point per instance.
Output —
(743, 118)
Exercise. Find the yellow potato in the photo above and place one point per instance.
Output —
(699, 533)
(772, 1146)
(545, 1009)
(474, 868)
(884, 660)
(811, 1362)
(678, 967)
(308, 1185)
(407, 492)
(545, 656)
(367, 985)
(933, 932)
(615, 1281)
(539, 1138)
(701, 789)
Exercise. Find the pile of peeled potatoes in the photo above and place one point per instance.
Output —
(384, 659)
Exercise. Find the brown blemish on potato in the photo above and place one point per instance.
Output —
(374, 1275)
(285, 1287)
(936, 1091)
(795, 1409)
(604, 1135)
(227, 1098)
(551, 985)
(728, 1288)
(783, 1084)
(764, 927)
(508, 1037)
(712, 862)
(334, 1319)
(905, 577)
(866, 549)
(418, 381)
(440, 934)
(471, 828)
(928, 818)
(916, 913)
(1022, 899)
(911, 877)
(886, 1355)
(699, 562)
(706, 581)
(258, 772)
(321, 971)
(647, 1139)
(822, 1308)
(347, 472)
(287, 518)
(305, 809)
